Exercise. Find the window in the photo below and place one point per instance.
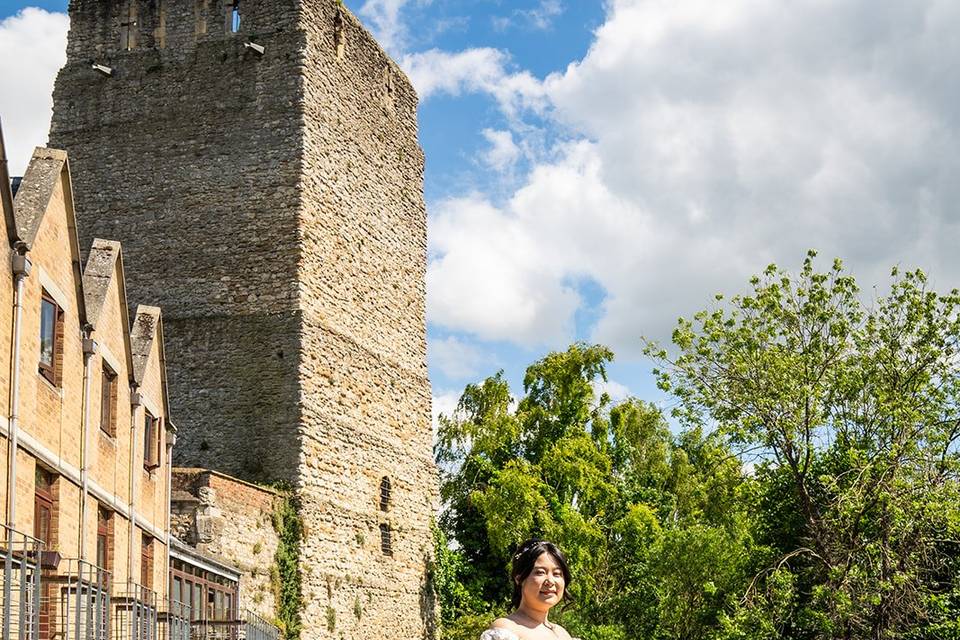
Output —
(146, 562)
(233, 16)
(151, 441)
(384, 493)
(386, 542)
(44, 501)
(108, 402)
(104, 538)
(51, 333)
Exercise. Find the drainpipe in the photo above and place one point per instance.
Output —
(89, 349)
(171, 441)
(136, 400)
(21, 269)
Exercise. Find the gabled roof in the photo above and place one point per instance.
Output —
(47, 168)
(6, 197)
(106, 258)
(147, 328)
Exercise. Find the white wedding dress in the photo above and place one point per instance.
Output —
(501, 634)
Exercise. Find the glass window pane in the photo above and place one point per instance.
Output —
(48, 323)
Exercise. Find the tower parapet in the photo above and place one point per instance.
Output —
(107, 27)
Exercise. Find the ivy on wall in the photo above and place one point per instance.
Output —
(285, 573)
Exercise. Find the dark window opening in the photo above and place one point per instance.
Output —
(151, 441)
(44, 506)
(386, 540)
(384, 493)
(146, 562)
(108, 402)
(104, 538)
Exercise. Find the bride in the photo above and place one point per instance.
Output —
(540, 580)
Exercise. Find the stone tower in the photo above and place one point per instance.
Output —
(259, 162)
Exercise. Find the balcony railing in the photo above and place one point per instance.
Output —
(77, 601)
(72, 601)
(19, 585)
(175, 621)
(252, 628)
(137, 614)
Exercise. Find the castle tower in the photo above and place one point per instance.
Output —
(259, 162)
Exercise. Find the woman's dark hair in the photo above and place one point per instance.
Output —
(523, 561)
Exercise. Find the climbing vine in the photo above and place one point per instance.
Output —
(285, 574)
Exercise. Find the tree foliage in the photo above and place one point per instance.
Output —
(609, 484)
(807, 489)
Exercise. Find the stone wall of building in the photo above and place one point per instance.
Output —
(190, 154)
(273, 205)
(232, 521)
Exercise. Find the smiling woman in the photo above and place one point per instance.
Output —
(540, 580)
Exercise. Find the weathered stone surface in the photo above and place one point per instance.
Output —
(231, 521)
(273, 207)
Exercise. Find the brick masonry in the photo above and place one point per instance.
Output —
(232, 521)
(273, 206)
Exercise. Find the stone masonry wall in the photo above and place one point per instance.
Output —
(366, 392)
(232, 521)
(273, 206)
(190, 156)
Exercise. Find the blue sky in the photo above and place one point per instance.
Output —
(597, 169)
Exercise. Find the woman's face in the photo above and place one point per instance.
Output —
(543, 588)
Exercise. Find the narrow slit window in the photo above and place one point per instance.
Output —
(108, 402)
(384, 493)
(235, 17)
(386, 540)
(151, 442)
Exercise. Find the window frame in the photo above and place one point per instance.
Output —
(50, 371)
(146, 561)
(108, 400)
(44, 501)
(104, 536)
(151, 444)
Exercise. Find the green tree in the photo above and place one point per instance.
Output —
(610, 484)
(853, 412)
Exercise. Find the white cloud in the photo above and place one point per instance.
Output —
(479, 70)
(444, 404)
(503, 152)
(33, 46)
(617, 392)
(716, 138)
(455, 358)
(385, 20)
(539, 17)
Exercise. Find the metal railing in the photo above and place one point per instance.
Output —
(20, 586)
(78, 605)
(137, 614)
(256, 628)
(251, 628)
(175, 621)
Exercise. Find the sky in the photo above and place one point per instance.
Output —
(598, 169)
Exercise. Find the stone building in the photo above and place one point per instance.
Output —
(230, 521)
(259, 162)
(86, 438)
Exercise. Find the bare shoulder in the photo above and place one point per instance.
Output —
(504, 623)
(502, 629)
